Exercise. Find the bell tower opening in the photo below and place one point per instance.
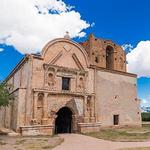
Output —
(63, 122)
(109, 57)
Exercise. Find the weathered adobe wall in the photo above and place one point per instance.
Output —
(13, 116)
(116, 94)
(65, 60)
(25, 95)
(38, 73)
(55, 102)
(1, 117)
(8, 115)
(96, 49)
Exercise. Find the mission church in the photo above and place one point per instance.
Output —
(72, 87)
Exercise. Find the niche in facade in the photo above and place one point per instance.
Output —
(51, 80)
(89, 101)
(96, 57)
(81, 83)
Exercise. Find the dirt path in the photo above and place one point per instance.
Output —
(82, 142)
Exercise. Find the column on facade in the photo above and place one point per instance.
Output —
(35, 98)
(45, 107)
(85, 82)
(45, 76)
(77, 82)
(55, 77)
(92, 117)
(74, 123)
(86, 118)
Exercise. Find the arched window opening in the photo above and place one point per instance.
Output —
(109, 57)
(96, 59)
(96, 56)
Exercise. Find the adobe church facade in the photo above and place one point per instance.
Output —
(72, 87)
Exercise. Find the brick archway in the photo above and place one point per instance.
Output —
(63, 121)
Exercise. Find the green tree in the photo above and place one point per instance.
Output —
(6, 97)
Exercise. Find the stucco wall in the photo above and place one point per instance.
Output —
(55, 102)
(8, 115)
(38, 73)
(21, 107)
(20, 81)
(2, 111)
(116, 94)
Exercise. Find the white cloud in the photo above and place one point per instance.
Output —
(145, 101)
(29, 24)
(127, 47)
(53, 5)
(93, 24)
(139, 59)
(1, 49)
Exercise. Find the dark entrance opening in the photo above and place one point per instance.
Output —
(116, 119)
(63, 121)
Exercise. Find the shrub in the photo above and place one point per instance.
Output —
(145, 116)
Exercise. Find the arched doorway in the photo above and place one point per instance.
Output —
(109, 57)
(63, 122)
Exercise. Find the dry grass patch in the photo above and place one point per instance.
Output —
(123, 134)
(30, 143)
(41, 144)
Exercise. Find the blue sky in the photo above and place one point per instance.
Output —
(123, 21)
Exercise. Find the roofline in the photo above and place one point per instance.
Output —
(37, 56)
(17, 67)
(26, 57)
(21, 62)
(114, 71)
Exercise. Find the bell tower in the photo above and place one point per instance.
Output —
(105, 54)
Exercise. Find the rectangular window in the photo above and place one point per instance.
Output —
(65, 83)
(116, 119)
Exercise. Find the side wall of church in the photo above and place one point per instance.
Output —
(38, 73)
(14, 115)
(116, 94)
(25, 94)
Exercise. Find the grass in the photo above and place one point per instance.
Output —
(43, 144)
(21, 141)
(30, 143)
(2, 143)
(123, 134)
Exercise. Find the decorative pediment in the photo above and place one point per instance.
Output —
(65, 53)
(75, 58)
(66, 58)
(55, 58)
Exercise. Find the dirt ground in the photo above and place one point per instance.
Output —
(29, 143)
(82, 142)
(66, 142)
